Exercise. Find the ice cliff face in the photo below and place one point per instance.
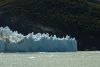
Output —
(12, 41)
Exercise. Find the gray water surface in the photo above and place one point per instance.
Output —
(50, 59)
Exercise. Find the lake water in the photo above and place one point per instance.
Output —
(51, 59)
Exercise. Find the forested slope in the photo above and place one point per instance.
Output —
(78, 18)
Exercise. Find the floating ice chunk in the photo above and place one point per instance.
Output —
(32, 57)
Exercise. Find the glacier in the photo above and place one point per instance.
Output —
(12, 41)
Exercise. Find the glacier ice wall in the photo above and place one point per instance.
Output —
(12, 41)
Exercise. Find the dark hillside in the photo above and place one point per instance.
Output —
(78, 18)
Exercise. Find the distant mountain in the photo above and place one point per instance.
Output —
(78, 18)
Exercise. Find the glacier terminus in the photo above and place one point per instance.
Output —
(12, 41)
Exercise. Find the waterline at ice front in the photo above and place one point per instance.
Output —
(12, 41)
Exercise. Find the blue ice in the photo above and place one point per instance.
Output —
(12, 41)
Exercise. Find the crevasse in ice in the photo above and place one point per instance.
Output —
(12, 41)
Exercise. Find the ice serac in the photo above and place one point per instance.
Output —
(12, 41)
